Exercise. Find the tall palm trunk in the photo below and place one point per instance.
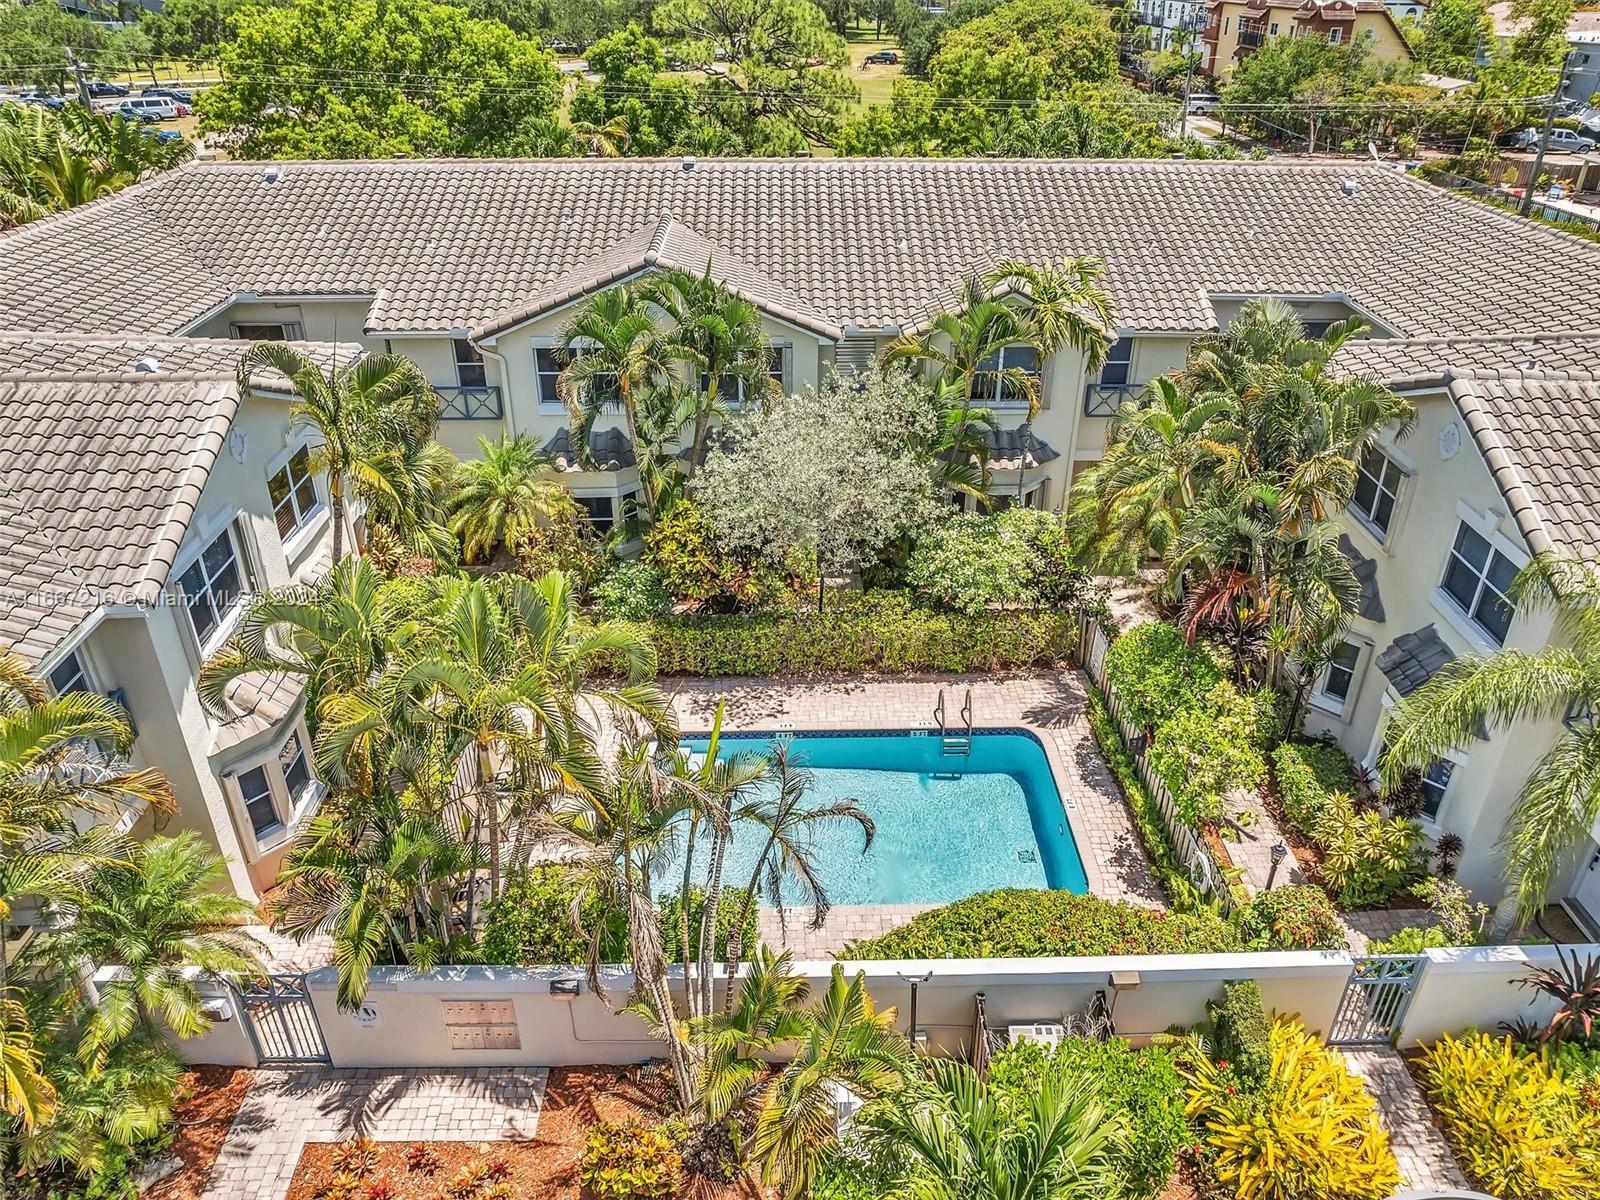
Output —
(708, 917)
(336, 505)
(685, 946)
(647, 485)
(486, 783)
(736, 934)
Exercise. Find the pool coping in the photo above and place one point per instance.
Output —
(1093, 873)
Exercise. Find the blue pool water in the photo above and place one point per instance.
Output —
(947, 826)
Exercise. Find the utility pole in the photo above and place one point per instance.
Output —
(1544, 138)
(83, 84)
(1188, 31)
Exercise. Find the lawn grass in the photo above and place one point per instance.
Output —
(875, 82)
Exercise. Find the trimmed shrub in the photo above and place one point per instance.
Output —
(631, 590)
(1368, 858)
(694, 565)
(531, 923)
(973, 562)
(625, 1162)
(1140, 1089)
(1023, 923)
(1309, 775)
(1242, 1033)
(1317, 1135)
(1203, 752)
(1413, 939)
(873, 631)
(1146, 814)
(1520, 1129)
(1156, 674)
(1292, 918)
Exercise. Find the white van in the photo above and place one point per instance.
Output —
(159, 107)
(1203, 104)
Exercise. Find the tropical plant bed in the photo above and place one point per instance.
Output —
(546, 1167)
(211, 1097)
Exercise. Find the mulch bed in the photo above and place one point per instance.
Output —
(543, 1168)
(214, 1096)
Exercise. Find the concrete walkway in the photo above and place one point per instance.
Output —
(285, 1109)
(1050, 704)
(1419, 1147)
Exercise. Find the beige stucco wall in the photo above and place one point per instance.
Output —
(341, 320)
(1411, 563)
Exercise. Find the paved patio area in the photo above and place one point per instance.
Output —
(1050, 704)
(286, 1109)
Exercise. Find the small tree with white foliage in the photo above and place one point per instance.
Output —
(837, 473)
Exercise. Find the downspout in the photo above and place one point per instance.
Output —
(505, 387)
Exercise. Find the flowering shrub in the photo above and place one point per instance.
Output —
(973, 562)
(1156, 674)
(1292, 918)
(1023, 923)
(621, 1162)
(1313, 1133)
(874, 631)
(1517, 1120)
(1206, 751)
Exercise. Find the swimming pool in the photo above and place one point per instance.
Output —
(947, 825)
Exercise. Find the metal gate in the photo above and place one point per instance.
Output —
(1375, 1000)
(277, 1011)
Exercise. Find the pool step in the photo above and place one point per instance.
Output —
(956, 745)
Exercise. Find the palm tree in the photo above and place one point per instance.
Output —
(155, 916)
(962, 1143)
(609, 140)
(962, 347)
(843, 1040)
(786, 853)
(26, 1093)
(361, 414)
(1560, 800)
(718, 335)
(502, 496)
(51, 161)
(1063, 306)
(615, 356)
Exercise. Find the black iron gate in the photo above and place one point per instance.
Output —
(1375, 1000)
(277, 1011)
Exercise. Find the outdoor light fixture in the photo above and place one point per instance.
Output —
(914, 981)
(1280, 851)
(568, 988)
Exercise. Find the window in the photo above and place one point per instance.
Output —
(1335, 36)
(293, 493)
(731, 389)
(599, 511)
(68, 675)
(1478, 578)
(1377, 488)
(1341, 672)
(1435, 783)
(211, 586)
(1115, 370)
(1272, 30)
(989, 388)
(268, 331)
(296, 773)
(469, 365)
(548, 363)
(256, 793)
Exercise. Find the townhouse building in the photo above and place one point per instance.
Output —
(474, 267)
(1235, 29)
(1170, 22)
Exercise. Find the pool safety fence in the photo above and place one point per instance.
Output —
(549, 1016)
(1206, 872)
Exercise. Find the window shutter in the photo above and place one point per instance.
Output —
(855, 354)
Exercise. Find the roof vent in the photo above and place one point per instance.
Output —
(272, 174)
(1349, 187)
(688, 162)
(147, 365)
(1177, 154)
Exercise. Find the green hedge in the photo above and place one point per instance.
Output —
(1242, 1032)
(1292, 918)
(1152, 829)
(1024, 923)
(1204, 752)
(531, 923)
(1156, 674)
(874, 631)
(1309, 776)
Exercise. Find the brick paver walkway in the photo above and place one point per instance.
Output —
(845, 923)
(1419, 1147)
(1048, 703)
(286, 1109)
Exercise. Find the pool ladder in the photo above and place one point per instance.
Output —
(952, 744)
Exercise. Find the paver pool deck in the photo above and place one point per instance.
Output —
(1049, 704)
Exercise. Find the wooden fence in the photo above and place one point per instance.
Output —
(1196, 856)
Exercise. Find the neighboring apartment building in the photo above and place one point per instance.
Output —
(1501, 464)
(1169, 21)
(1582, 81)
(474, 267)
(143, 499)
(1235, 29)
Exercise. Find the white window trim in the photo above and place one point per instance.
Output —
(1324, 701)
(291, 816)
(293, 331)
(86, 664)
(1445, 604)
(1016, 405)
(1385, 538)
(315, 522)
(208, 531)
(1369, 763)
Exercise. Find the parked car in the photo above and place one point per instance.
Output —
(1562, 141)
(54, 103)
(164, 135)
(99, 89)
(176, 95)
(1203, 104)
(159, 107)
(128, 113)
(880, 58)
